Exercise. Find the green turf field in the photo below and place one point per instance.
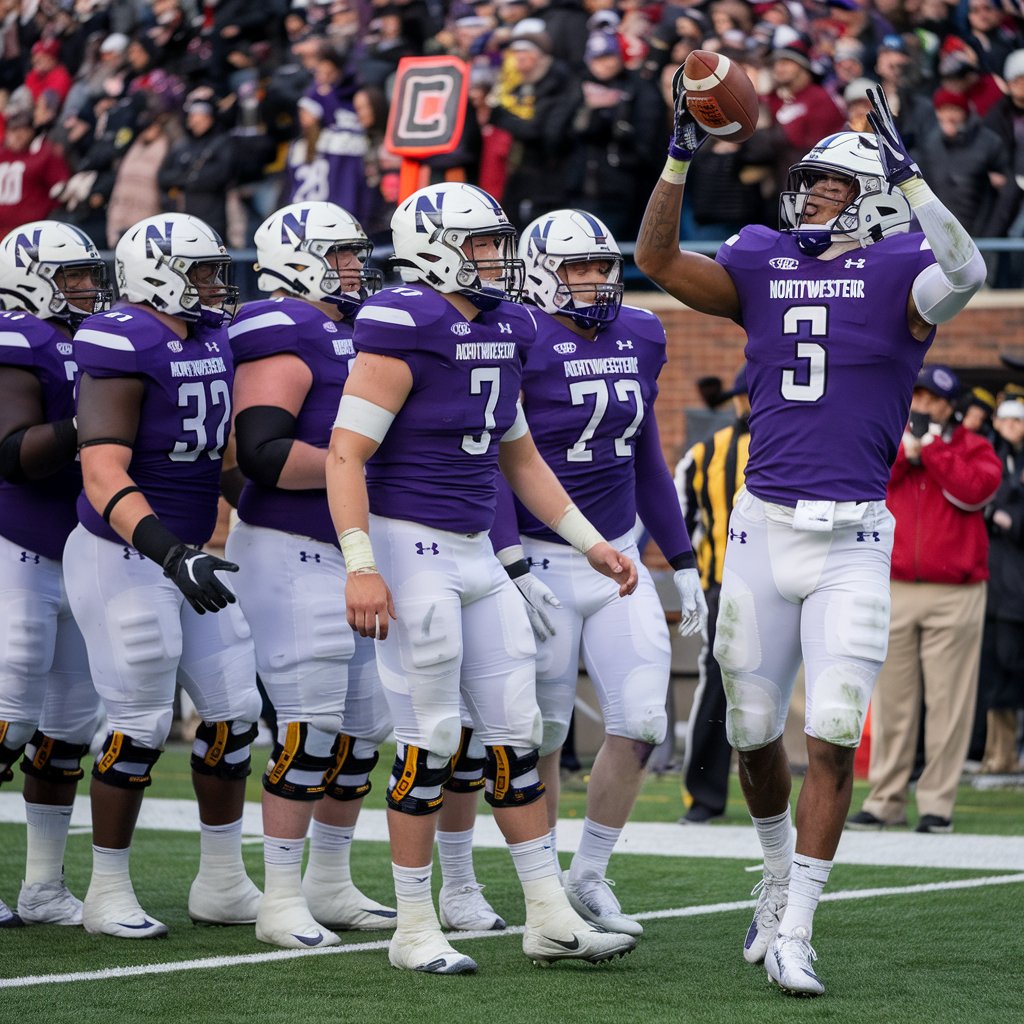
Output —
(948, 954)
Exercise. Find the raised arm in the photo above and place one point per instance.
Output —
(690, 277)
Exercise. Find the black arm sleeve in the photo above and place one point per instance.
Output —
(37, 452)
(108, 409)
(264, 435)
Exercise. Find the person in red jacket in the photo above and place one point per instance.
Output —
(47, 72)
(941, 481)
(31, 168)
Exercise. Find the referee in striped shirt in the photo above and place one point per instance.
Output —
(707, 479)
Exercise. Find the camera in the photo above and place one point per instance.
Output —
(919, 423)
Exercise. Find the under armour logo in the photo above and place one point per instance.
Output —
(620, 345)
(30, 556)
(740, 536)
(212, 346)
(543, 563)
(504, 328)
(309, 556)
(859, 264)
(864, 535)
(422, 549)
(131, 553)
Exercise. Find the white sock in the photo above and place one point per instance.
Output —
(806, 883)
(537, 874)
(456, 855)
(110, 867)
(596, 845)
(282, 862)
(47, 838)
(776, 835)
(553, 837)
(220, 848)
(330, 847)
(413, 900)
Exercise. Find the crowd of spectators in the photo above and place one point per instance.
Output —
(112, 110)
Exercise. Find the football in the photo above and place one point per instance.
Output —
(720, 96)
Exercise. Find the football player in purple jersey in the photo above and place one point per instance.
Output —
(839, 306)
(292, 353)
(589, 386)
(430, 409)
(51, 278)
(154, 410)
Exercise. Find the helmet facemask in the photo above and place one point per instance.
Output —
(350, 286)
(587, 304)
(488, 269)
(208, 297)
(79, 289)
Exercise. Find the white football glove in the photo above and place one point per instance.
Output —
(538, 597)
(694, 609)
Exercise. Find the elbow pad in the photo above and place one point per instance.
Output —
(264, 435)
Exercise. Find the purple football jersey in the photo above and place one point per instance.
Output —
(831, 363)
(587, 402)
(438, 463)
(40, 514)
(184, 419)
(271, 327)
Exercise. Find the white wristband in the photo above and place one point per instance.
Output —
(917, 191)
(573, 526)
(357, 552)
(510, 555)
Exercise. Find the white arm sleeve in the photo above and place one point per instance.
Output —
(943, 289)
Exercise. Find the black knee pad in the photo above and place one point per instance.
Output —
(349, 779)
(512, 779)
(298, 770)
(123, 763)
(8, 755)
(467, 772)
(53, 760)
(222, 749)
(416, 785)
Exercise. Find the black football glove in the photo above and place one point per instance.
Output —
(193, 574)
(687, 135)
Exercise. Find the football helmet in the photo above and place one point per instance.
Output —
(293, 246)
(430, 229)
(54, 272)
(875, 211)
(571, 236)
(177, 264)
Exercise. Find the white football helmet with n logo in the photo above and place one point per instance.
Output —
(876, 210)
(177, 264)
(571, 236)
(52, 271)
(293, 247)
(437, 237)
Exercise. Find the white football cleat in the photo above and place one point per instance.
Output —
(790, 964)
(561, 934)
(285, 921)
(49, 903)
(773, 895)
(345, 909)
(594, 901)
(427, 951)
(9, 919)
(223, 899)
(114, 910)
(464, 909)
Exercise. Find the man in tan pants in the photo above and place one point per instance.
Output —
(941, 481)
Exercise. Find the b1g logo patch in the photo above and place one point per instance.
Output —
(428, 109)
(565, 348)
(783, 263)
(461, 329)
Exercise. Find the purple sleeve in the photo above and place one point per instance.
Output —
(657, 502)
(505, 531)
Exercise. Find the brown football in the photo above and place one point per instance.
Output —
(720, 96)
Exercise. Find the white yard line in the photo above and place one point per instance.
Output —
(891, 848)
(213, 962)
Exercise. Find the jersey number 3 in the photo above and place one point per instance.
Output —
(813, 371)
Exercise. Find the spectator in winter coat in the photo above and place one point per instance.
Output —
(199, 167)
(941, 481)
(47, 71)
(1002, 651)
(32, 171)
(968, 168)
(136, 194)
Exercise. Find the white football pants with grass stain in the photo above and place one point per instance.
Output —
(790, 595)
